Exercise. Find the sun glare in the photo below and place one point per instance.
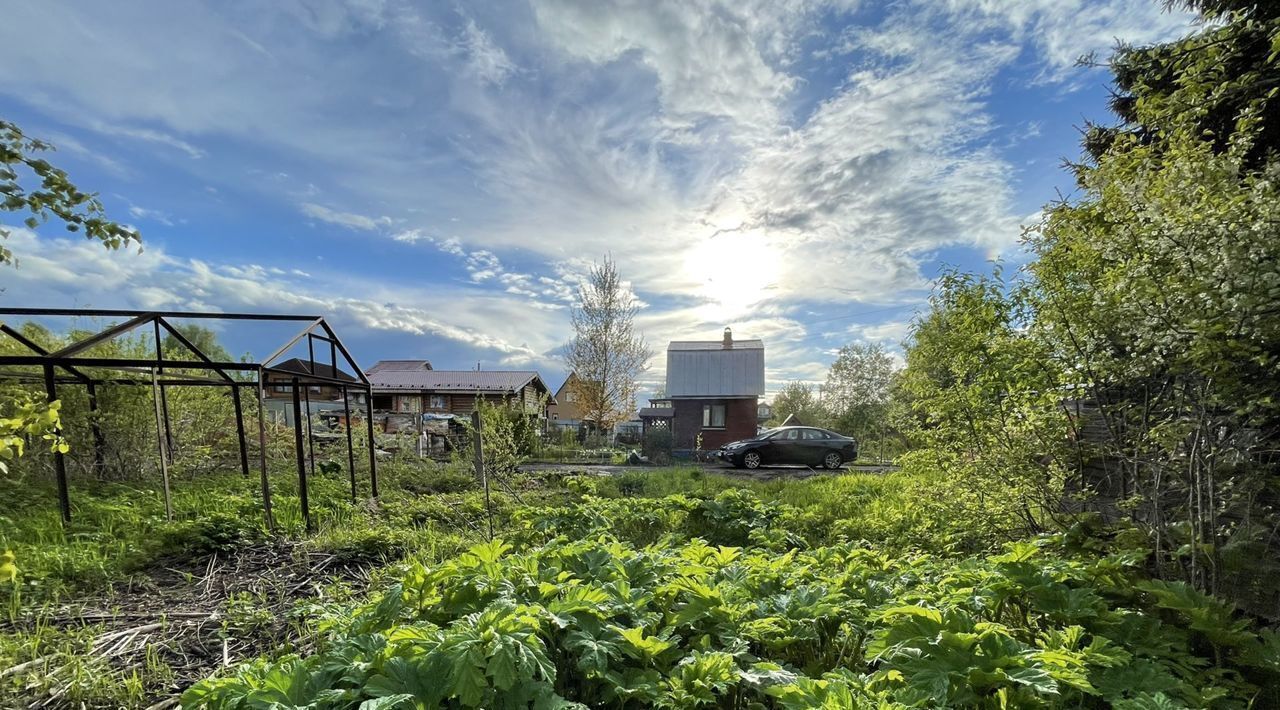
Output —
(734, 271)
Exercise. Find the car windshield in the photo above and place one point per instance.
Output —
(768, 434)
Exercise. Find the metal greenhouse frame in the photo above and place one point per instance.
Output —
(70, 366)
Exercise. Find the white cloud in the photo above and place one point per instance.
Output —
(485, 59)
(81, 273)
(696, 142)
(149, 135)
(152, 215)
(349, 220)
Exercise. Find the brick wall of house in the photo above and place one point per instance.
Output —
(739, 422)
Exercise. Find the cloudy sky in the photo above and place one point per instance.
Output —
(436, 176)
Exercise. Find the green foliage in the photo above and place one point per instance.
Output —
(797, 398)
(857, 391)
(22, 419)
(56, 196)
(656, 445)
(598, 623)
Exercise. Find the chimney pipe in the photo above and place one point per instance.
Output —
(728, 339)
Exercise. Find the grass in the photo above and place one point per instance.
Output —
(120, 552)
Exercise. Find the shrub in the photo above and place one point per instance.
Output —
(454, 478)
(598, 623)
(656, 446)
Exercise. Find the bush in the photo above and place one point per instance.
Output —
(656, 446)
(453, 478)
(216, 531)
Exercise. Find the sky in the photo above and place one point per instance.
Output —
(436, 178)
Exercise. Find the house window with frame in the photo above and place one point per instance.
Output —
(437, 401)
(713, 416)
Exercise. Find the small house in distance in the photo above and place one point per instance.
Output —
(565, 414)
(713, 387)
(278, 386)
(412, 386)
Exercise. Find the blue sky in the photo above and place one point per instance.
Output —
(436, 177)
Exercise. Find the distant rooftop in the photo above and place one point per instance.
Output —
(715, 368)
(715, 345)
(399, 366)
(320, 369)
(451, 380)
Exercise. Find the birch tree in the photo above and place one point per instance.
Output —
(607, 352)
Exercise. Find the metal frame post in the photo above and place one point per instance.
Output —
(301, 456)
(244, 447)
(262, 454)
(99, 443)
(373, 448)
(311, 439)
(351, 452)
(59, 460)
(164, 397)
(156, 396)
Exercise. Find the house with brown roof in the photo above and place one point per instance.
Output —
(413, 386)
(278, 386)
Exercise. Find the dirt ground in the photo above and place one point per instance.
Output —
(193, 617)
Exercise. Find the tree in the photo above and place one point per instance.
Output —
(984, 408)
(56, 196)
(606, 351)
(797, 398)
(1133, 365)
(1157, 294)
(205, 339)
(22, 415)
(857, 390)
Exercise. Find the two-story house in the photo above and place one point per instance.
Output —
(565, 413)
(713, 387)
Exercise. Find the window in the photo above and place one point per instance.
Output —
(281, 388)
(437, 401)
(713, 416)
(814, 434)
(790, 435)
(314, 389)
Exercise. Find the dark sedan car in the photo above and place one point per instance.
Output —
(805, 445)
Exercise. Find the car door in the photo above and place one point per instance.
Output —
(813, 445)
(782, 448)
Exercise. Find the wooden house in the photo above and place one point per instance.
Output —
(413, 386)
(277, 386)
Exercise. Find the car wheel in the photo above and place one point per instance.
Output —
(751, 459)
(832, 460)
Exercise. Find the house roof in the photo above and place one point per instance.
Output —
(570, 378)
(454, 380)
(706, 368)
(303, 367)
(715, 345)
(399, 366)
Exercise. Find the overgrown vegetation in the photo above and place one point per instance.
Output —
(718, 596)
(1131, 367)
(1086, 516)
